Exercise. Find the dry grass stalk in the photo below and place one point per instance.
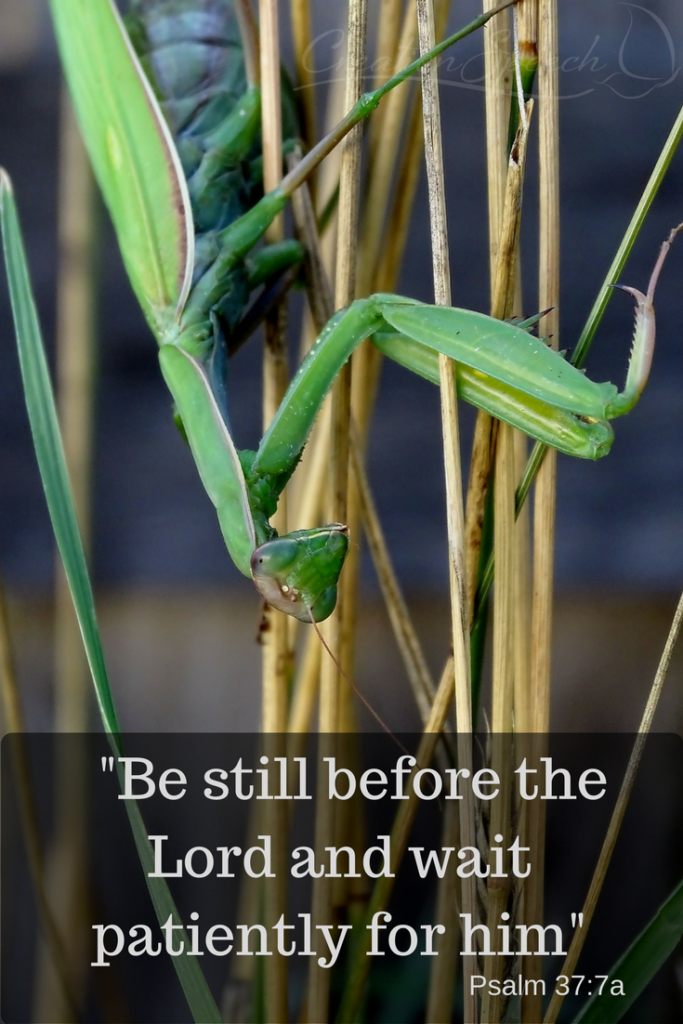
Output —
(321, 304)
(274, 633)
(303, 62)
(498, 79)
(308, 485)
(345, 292)
(12, 713)
(403, 821)
(449, 414)
(617, 818)
(330, 682)
(389, 24)
(366, 360)
(305, 694)
(384, 134)
(544, 498)
(386, 131)
(527, 26)
(444, 971)
(526, 57)
(75, 364)
(504, 546)
(249, 35)
(497, 64)
(13, 722)
(522, 576)
(498, 890)
(419, 676)
(407, 180)
(385, 158)
(307, 501)
(310, 479)
(549, 295)
(238, 993)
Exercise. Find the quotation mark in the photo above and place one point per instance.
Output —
(108, 763)
(574, 917)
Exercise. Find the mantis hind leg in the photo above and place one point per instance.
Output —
(541, 420)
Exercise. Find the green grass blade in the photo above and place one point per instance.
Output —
(51, 462)
(626, 245)
(639, 964)
(48, 446)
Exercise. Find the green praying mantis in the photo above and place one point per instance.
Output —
(188, 236)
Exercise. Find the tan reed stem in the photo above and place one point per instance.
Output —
(306, 693)
(303, 62)
(323, 148)
(526, 64)
(498, 85)
(12, 713)
(333, 629)
(504, 545)
(340, 626)
(405, 633)
(522, 577)
(310, 478)
(617, 818)
(444, 971)
(367, 360)
(419, 676)
(75, 369)
(549, 295)
(384, 135)
(384, 159)
(449, 413)
(250, 40)
(321, 302)
(544, 498)
(398, 840)
(498, 889)
(388, 34)
(13, 723)
(527, 13)
(307, 498)
(274, 635)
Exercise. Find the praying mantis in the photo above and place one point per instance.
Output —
(188, 241)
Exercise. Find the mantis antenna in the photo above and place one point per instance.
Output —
(355, 689)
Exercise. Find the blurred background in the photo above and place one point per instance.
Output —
(179, 621)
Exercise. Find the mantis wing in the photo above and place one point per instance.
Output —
(132, 153)
(138, 169)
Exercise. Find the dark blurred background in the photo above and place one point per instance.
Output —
(157, 552)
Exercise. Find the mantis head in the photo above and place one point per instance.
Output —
(298, 573)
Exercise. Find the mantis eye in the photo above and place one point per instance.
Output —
(271, 564)
(274, 557)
